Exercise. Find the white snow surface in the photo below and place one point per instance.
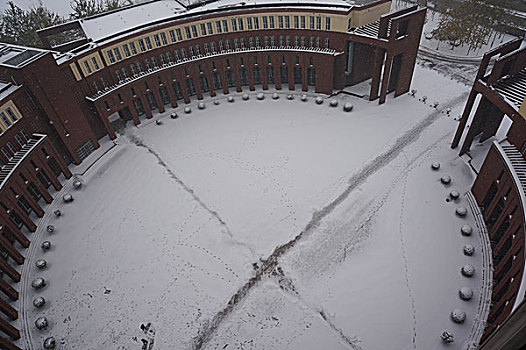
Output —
(175, 219)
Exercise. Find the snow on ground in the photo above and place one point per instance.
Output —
(263, 225)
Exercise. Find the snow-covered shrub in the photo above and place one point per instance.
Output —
(275, 96)
(465, 293)
(304, 97)
(158, 122)
(466, 230)
(230, 99)
(67, 198)
(347, 107)
(424, 99)
(454, 194)
(216, 102)
(447, 337)
(245, 96)
(41, 323)
(413, 92)
(187, 110)
(49, 343)
(38, 282)
(173, 115)
(458, 316)
(436, 104)
(333, 103)
(57, 212)
(435, 165)
(446, 179)
(461, 211)
(260, 96)
(77, 184)
(39, 302)
(467, 270)
(468, 249)
(290, 97)
(319, 100)
(50, 228)
(201, 105)
(41, 263)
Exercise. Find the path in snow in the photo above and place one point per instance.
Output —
(208, 328)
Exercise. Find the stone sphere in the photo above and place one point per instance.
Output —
(173, 115)
(445, 179)
(260, 96)
(319, 100)
(458, 316)
(447, 337)
(435, 165)
(49, 343)
(467, 270)
(454, 194)
(39, 302)
(45, 245)
(465, 293)
(304, 97)
(216, 102)
(187, 110)
(41, 323)
(245, 96)
(67, 198)
(461, 211)
(158, 122)
(333, 103)
(275, 96)
(57, 212)
(77, 184)
(466, 230)
(41, 263)
(468, 250)
(230, 99)
(290, 96)
(347, 107)
(38, 283)
(50, 228)
(201, 105)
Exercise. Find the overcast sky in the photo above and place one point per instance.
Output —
(59, 6)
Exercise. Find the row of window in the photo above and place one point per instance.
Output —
(208, 28)
(9, 150)
(208, 48)
(7, 118)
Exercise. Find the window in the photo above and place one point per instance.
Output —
(179, 34)
(297, 75)
(265, 22)
(265, 40)
(240, 23)
(296, 22)
(163, 38)
(103, 81)
(176, 53)
(133, 69)
(318, 41)
(190, 88)
(148, 43)
(218, 27)
(191, 51)
(221, 45)
(234, 25)
(138, 106)
(327, 23)
(326, 43)
(216, 79)
(110, 56)
(11, 147)
(349, 24)
(25, 134)
(203, 83)
(213, 46)
(151, 100)
(243, 43)
(249, 23)
(6, 121)
(194, 31)
(296, 41)
(95, 86)
(271, 21)
(139, 66)
(318, 22)
(187, 32)
(163, 61)
(280, 21)
(133, 48)
(172, 36)
(154, 61)
(302, 22)
(6, 153)
(287, 22)
(284, 75)
(183, 53)
(88, 68)
(117, 54)
(148, 65)
(176, 86)
(225, 26)
(303, 41)
(207, 48)
(126, 50)
(118, 75)
(236, 43)
(227, 44)
(287, 40)
(169, 57)
(141, 45)
(256, 23)
(258, 44)
(230, 78)
(210, 30)
(203, 29)
(311, 22)
(198, 50)
(272, 40)
(270, 75)
(312, 41)
(124, 72)
(95, 63)
(256, 72)
(19, 140)
(243, 76)
(251, 41)
(157, 40)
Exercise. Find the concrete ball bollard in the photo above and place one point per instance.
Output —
(49, 343)
(319, 100)
(245, 97)
(446, 179)
(454, 194)
(41, 323)
(173, 115)
(466, 230)
(468, 249)
(260, 96)
(458, 316)
(465, 293)
(275, 96)
(230, 99)
(461, 211)
(67, 198)
(435, 165)
(41, 263)
(333, 103)
(304, 97)
(46, 245)
(39, 302)
(201, 105)
(348, 107)
(38, 283)
(467, 270)
(188, 110)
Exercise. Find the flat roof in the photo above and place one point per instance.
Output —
(18, 56)
(7, 89)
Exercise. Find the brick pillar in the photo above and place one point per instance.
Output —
(8, 290)
(8, 310)
(7, 328)
(167, 81)
(42, 162)
(376, 73)
(22, 187)
(11, 250)
(20, 237)
(31, 175)
(22, 214)
(60, 161)
(102, 114)
(7, 345)
(9, 271)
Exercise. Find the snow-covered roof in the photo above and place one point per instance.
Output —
(513, 87)
(7, 89)
(18, 56)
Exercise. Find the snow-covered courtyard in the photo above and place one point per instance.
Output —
(267, 224)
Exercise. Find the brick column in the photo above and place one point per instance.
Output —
(9, 271)
(11, 250)
(11, 292)
(102, 113)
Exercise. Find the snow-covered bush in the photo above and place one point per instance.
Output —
(458, 316)
(304, 97)
(454, 194)
(77, 184)
(201, 105)
(67, 198)
(38, 283)
(275, 96)
(461, 211)
(466, 230)
(50, 228)
(158, 122)
(173, 115)
(49, 343)
(188, 110)
(39, 302)
(245, 96)
(468, 249)
(447, 337)
(41, 263)
(290, 97)
(465, 293)
(435, 165)
(41, 323)
(45, 245)
(333, 103)
(319, 100)
(347, 107)
(260, 96)
(467, 270)
(446, 179)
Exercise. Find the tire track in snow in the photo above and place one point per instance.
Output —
(208, 328)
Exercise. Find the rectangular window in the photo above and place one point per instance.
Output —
(256, 23)
(280, 21)
(311, 22)
(124, 72)
(327, 23)
(251, 41)
(207, 48)
(270, 75)
(218, 27)
(236, 43)
(187, 31)
(256, 72)
(227, 44)
(148, 43)
(296, 22)
(210, 30)
(88, 68)
(312, 41)
(169, 57)
(302, 22)
(95, 64)
(221, 48)
(240, 23)
(234, 25)
(118, 75)
(225, 26)
(265, 22)
(216, 79)
(157, 40)
(4, 118)
(133, 69)
(126, 50)
(265, 40)
(230, 78)
(303, 41)
(281, 40)
(190, 88)
(141, 45)
(19, 140)
(318, 22)
(243, 43)
(258, 44)
(271, 21)
(249, 23)
(318, 42)
(172, 36)
(163, 38)
(203, 83)
(11, 147)
(272, 40)
(284, 75)
(110, 56)
(133, 48)
(177, 57)
(287, 22)
(287, 38)
(154, 61)
(203, 29)
(117, 54)
(198, 50)
(194, 31)
(326, 43)
(179, 34)
(163, 61)
(139, 66)
(191, 51)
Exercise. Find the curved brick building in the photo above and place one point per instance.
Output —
(56, 103)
